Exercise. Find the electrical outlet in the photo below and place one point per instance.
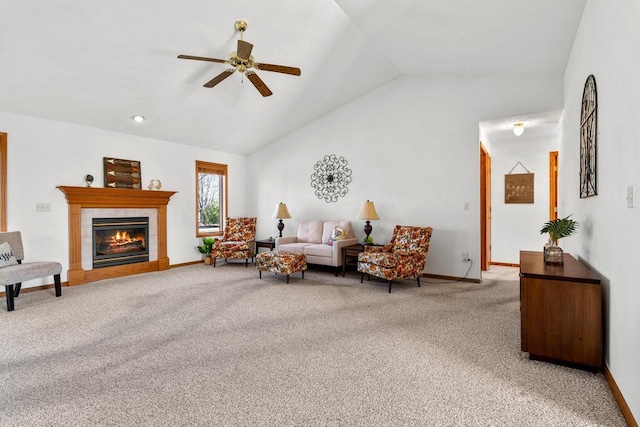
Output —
(43, 207)
(465, 256)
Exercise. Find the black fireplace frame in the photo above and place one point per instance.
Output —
(120, 223)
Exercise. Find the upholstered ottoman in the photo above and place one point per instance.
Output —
(281, 262)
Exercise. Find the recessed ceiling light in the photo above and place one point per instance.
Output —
(138, 118)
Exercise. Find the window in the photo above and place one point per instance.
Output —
(211, 198)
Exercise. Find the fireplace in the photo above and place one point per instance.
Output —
(86, 203)
(119, 241)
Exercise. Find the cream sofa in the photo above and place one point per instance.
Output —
(312, 240)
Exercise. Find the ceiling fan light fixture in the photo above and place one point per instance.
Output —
(518, 128)
(242, 61)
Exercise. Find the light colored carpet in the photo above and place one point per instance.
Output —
(217, 346)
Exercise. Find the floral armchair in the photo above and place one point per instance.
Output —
(404, 257)
(238, 240)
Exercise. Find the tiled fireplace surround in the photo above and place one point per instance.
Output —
(86, 229)
(86, 203)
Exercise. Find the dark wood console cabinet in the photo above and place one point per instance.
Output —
(561, 311)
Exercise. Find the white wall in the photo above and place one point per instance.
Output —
(606, 46)
(413, 148)
(43, 154)
(516, 227)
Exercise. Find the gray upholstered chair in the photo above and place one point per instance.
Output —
(12, 276)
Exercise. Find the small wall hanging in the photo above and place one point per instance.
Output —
(518, 187)
(588, 136)
(331, 178)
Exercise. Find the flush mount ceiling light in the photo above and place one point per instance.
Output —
(518, 128)
(138, 118)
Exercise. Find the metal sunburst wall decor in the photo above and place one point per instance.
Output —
(331, 178)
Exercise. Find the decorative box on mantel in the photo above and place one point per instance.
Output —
(80, 198)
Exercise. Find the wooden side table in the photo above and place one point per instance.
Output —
(349, 253)
(268, 243)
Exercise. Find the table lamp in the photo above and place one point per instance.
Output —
(281, 213)
(368, 212)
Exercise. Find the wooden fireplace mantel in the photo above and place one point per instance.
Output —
(80, 198)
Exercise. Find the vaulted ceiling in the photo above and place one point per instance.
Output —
(97, 63)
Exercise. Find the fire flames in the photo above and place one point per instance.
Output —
(119, 241)
(122, 238)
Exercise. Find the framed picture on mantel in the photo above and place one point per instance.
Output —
(120, 173)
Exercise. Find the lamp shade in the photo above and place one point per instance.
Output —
(368, 211)
(281, 211)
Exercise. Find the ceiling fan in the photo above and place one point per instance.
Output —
(243, 61)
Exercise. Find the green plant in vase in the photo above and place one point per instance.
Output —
(557, 229)
(206, 248)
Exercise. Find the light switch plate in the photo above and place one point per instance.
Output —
(43, 207)
(631, 196)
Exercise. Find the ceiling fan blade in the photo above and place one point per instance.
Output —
(244, 49)
(258, 83)
(294, 71)
(202, 58)
(220, 77)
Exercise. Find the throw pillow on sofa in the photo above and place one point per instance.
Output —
(6, 255)
(338, 233)
(328, 226)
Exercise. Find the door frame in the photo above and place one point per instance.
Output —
(3, 181)
(485, 208)
(553, 185)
